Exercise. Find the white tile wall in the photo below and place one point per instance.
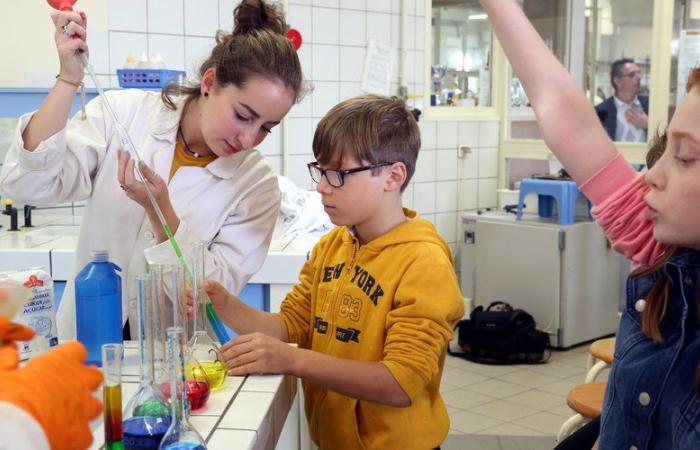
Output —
(335, 34)
(201, 17)
(165, 16)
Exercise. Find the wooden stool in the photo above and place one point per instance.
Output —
(602, 350)
(587, 400)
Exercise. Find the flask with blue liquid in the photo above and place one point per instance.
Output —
(98, 305)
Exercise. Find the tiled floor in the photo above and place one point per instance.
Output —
(510, 407)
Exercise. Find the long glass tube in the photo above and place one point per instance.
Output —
(147, 414)
(112, 395)
(181, 435)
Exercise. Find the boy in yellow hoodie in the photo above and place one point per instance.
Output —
(374, 308)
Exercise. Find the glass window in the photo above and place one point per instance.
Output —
(685, 48)
(460, 71)
(551, 20)
(618, 60)
(606, 46)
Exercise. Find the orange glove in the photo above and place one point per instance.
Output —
(56, 389)
(9, 333)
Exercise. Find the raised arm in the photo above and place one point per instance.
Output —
(567, 120)
(53, 113)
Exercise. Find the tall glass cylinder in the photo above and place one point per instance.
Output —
(147, 414)
(202, 346)
(181, 435)
(170, 285)
(112, 395)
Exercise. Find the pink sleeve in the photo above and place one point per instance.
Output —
(618, 193)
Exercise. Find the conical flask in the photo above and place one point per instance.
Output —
(147, 414)
(201, 346)
(181, 435)
(169, 288)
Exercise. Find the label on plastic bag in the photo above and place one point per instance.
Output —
(38, 311)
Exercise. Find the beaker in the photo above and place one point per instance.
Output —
(169, 289)
(147, 414)
(112, 395)
(181, 435)
(201, 346)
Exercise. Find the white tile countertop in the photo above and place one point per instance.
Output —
(247, 413)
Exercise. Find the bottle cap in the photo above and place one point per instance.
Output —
(100, 255)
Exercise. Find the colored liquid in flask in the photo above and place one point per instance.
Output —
(185, 446)
(145, 433)
(153, 408)
(113, 417)
(197, 392)
(214, 373)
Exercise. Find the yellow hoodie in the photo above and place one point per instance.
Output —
(394, 300)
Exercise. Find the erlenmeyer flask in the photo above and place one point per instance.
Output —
(181, 435)
(201, 346)
(147, 414)
(169, 280)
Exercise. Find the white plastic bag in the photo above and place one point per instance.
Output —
(38, 311)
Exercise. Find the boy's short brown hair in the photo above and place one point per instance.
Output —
(371, 128)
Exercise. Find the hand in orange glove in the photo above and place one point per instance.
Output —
(56, 389)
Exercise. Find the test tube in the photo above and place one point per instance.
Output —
(112, 395)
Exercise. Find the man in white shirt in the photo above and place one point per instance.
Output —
(624, 115)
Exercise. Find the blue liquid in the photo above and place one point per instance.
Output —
(185, 446)
(144, 433)
(98, 307)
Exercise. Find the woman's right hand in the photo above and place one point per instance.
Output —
(70, 38)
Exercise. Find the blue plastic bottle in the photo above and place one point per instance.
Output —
(98, 305)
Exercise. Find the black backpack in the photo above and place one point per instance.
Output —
(500, 334)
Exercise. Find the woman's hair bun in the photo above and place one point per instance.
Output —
(251, 15)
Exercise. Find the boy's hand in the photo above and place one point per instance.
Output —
(258, 353)
(217, 294)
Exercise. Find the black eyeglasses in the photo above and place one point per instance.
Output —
(336, 178)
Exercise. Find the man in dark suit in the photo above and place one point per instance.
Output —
(624, 115)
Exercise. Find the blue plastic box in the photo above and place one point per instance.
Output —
(147, 78)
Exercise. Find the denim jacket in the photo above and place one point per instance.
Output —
(650, 402)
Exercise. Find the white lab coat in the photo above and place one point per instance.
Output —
(231, 205)
(19, 430)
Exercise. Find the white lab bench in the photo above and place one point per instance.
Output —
(247, 413)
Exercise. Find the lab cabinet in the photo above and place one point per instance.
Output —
(566, 276)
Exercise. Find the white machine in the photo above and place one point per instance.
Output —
(566, 276)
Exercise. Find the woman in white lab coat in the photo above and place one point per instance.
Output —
(230, 202)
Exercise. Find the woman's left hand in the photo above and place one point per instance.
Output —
(258, 353)
(134, 188)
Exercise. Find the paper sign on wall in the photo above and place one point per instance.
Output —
(688, 59)
(379, 65)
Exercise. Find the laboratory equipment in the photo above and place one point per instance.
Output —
(98, 305)
(127, 143)
(169, 288)
(147, 414)
(566, 276)
(201, 345)
(181, 435)
(112, 395)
